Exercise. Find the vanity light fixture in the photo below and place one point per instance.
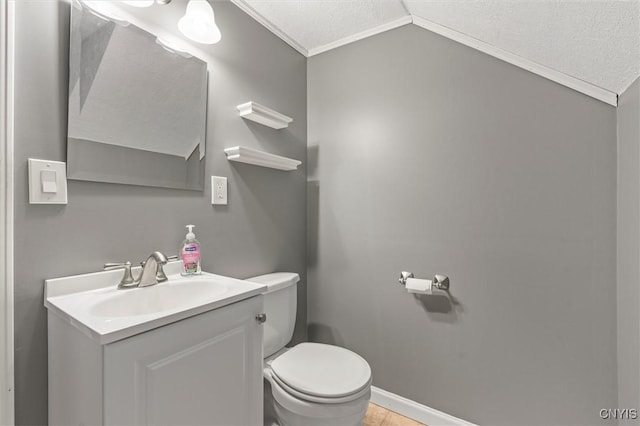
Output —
(199, 23)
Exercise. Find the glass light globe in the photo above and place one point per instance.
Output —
(199, 23)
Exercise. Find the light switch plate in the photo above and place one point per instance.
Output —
(45, 177)
(218, 190)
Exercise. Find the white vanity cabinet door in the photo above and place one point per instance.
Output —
(204, 370)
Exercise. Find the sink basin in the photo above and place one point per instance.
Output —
(93, 304)
(172, 295)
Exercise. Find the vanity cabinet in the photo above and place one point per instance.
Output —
(205, 370)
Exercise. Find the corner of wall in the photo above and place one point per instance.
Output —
(628, 248)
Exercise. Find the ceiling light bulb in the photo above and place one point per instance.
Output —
(138, 3)
(199, 24)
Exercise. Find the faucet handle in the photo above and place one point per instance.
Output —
(117, 265)
(127, 280)
(161, 276)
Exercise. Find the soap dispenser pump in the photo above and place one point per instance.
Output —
(190, 254)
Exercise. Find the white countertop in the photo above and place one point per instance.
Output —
(93, 304)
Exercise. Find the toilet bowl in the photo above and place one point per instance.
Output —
(317, 384)
(310, 384)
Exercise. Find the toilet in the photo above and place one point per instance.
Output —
(310, 384)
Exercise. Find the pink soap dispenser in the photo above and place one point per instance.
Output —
(190, 254)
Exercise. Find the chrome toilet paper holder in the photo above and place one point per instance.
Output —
(441, 282)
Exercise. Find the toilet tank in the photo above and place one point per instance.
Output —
(280, 305)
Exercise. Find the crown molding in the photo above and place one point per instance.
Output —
(556, 76)
(361, 35)
(246, 8)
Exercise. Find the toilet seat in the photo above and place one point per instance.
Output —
(322, 373)
(301, 412)
(323, 400)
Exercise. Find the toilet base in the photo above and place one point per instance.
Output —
(289, 418)
(270, 418)
(282, 409)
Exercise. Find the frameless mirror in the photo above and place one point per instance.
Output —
(137, 110)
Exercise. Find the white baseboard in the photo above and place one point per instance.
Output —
(413, 410)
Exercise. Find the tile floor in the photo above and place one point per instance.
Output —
(378, 416)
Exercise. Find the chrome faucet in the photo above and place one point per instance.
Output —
(152, 272)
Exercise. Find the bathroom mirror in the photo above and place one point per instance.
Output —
(137, 110)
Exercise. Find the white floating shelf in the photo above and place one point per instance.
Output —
(259, 158)
(263, 115)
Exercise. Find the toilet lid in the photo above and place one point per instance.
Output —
(322, 370)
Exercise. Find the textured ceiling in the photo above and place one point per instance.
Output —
(315, 23)
(597, 41)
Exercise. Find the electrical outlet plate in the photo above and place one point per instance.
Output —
(218, 190)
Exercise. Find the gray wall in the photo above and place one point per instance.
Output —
(427, 156)
(628, 258)
(260, 231)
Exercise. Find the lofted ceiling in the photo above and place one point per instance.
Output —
(592, 41)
